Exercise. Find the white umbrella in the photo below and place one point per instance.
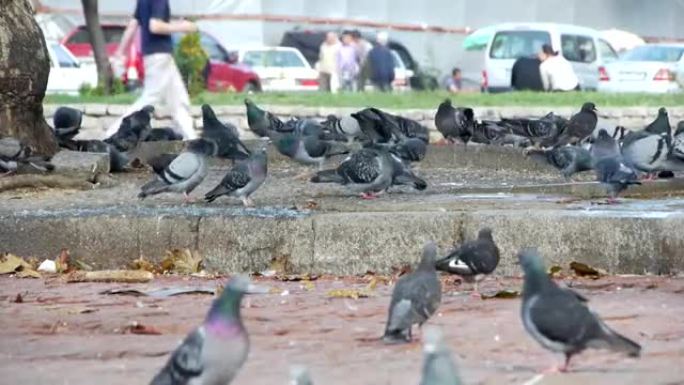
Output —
(621, 40)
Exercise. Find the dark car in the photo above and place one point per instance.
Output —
(222, 73)
(309, 43)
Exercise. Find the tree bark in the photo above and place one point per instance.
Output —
(24, 70)
(97, 41)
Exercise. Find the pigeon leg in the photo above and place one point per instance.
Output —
(612, 201)
(566, 364)
(8, 173)
(187, 198)
(476, 292)
(247, 202)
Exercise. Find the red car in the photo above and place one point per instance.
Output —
(223, 71)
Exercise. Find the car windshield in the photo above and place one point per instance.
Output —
(111, 35)
(515, 44)
(653, 53)
(273, 59)
(63, 58)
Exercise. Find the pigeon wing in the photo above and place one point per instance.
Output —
(182, 168)
(185, 362)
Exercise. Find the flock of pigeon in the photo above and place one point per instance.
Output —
(556, 317)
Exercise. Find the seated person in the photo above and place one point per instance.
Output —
(556, 72)
(525, 74)
(454, 83)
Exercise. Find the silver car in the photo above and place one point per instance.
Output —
(648, 68)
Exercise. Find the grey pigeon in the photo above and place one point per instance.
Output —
(228, 145)
(615, 175)
(184, 173)
(650, 153)
(344, 125)
(162, 134)
(438, 365)
(604, 145)
(132, 130)
(580, 126)
(243, 179)
(661, 124)
(568, 159)
(11, 148)
(455, 123)
(306, 149)
(17, 158)
(403, 127)
(559, 318)
(368, 171)
(543, 131)
(402, 175)
(261, 121)
(67, 123)
(308, 127)
(473, 259)
(415, 298)
(407, 149)
(213, 353)
(299, 375)
(160, 162)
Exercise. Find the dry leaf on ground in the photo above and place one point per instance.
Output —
(143, 264)
(182, 261)
(123, 276)
(501, 294)
(583, 270)
(138, 328)
(11, 264)
(555, 271)
(349, 293)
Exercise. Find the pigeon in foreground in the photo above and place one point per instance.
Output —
(415, 298)
(184, 173)
(67, 123)
(580, 126)
(438, 365)
(455, 123)
(260, 121)
(228, 145)
(213, 353)
(299, 375)
(368, 171)
(559, 318)
(473, 260)
(243, 179)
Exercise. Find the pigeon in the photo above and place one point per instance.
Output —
(67, 123)
(543, 131)
(568, 159)
(402, 175)
(408, 149)
(132, 130)
(559, 318)
(308, 150)
(473, 260)
(11, 148)
(345, 125)
(661, 124)
(403, 127)
(260, 121)
(299, 375)
(416, 297)
(604, 145)
(581, 125)
(17, 158)
(243, 179)
(213, 353)
(369, 171)
(228, 145)
(512, 140)
(438, 365)
(648, 152)
(184, 173)
(455, 123)
(162, 134)
(615, 175)
(308, 127)
(117, 159)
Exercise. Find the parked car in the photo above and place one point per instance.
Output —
(647, 68)
(280, 68)
(581, 46)
(222, 71)
(67, 75)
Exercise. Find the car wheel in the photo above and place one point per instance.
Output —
(251, 88)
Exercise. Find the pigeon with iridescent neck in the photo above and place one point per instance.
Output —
(438, 366)
(214, 352)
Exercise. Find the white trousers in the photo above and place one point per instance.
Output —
(163, 85)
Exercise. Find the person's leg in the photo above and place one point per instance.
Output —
(178, 101)
(152, 92)
(324, 82)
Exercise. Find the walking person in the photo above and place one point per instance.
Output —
(556, 72)
(327, 63)
(347, 63)
(363, 47)
(163, 82)
(381, 64)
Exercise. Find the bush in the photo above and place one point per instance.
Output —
(192, 60)
(117, 88)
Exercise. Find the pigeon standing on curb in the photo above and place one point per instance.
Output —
(260, 121)
(184, 173)
(228, 144)
(67, 123)
(473, 260)
(243, 179)
(615, 175)
(308, 150)
(661, 124)
(559, 318)
(415, 298)
(438, 366)
(344, 125)
(568, 159)
(214, 352)
(604, 146)
(580, 126)
(455, 123)
(17, 158)
(132, 130)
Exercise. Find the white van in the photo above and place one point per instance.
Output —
(579, 45)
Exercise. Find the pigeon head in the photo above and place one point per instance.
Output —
(680, 128)
(603, 134)
(67, 117)
(588, 107)
(253, 112)
(485, 233)
(299, 375)
(447, 102)
(662, 111)
(227, 305)
(429, 256)
(208, 113)
(139, 121)
(202, 146)
(531, 261)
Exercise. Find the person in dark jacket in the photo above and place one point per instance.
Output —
(525, 74)
(381, 64)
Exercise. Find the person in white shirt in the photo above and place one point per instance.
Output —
(556, 72)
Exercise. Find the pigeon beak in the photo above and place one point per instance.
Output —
(257, 289)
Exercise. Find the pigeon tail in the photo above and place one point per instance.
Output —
(327, 176)
(408, 179)
(216, 192)
(151, 188)
(620, 343)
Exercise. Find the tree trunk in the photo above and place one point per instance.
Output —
(24, 70)
(97, 41)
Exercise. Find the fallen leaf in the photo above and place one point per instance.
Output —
(348, 293)
(143, 264)
(584, 270)
(10, 263)
(124, 276)
(296, 277)
(310, 204)
(501, 294)
(161, 292)
(28, 273)
(275, 290)
(138, 328)
(280, 264)
(555, 271)
(182, 261)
